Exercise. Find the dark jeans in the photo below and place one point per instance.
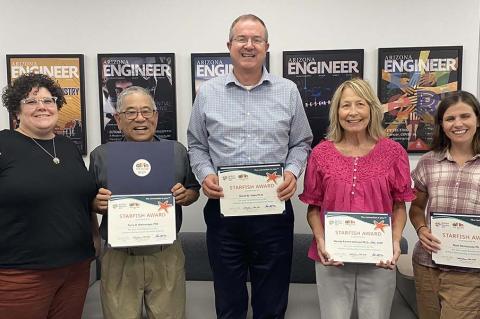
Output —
(259, 245)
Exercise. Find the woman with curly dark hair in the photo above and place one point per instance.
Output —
(46, 242)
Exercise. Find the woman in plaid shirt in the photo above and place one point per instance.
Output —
(447, 180)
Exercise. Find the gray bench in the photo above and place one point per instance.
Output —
(303, 301)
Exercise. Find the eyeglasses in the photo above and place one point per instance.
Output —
(133, 114)
(45, 101)
(244, 40)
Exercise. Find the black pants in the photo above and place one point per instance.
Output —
(259, 245)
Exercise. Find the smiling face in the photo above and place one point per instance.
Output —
(353, 112)
(459, 123)
(140, 129)
(38, 120)
(248, 46)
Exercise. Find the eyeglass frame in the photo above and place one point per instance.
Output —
(138, 112)
(243, 40)
(38, 101)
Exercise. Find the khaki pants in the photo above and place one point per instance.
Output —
(155, 279)
(447, 294)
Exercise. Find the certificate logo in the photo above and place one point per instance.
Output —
(337, 222)
(458, 225)
(272, 177)
(442, 225)
(134, 205)
(164, 206)
(141, 167)
(228, 177)
(380, 225)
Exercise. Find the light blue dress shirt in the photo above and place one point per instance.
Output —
(231, 125)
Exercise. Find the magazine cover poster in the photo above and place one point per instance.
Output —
(152, 71)
(317, 75)
(206, 66)
(67, 70)
(411, 83)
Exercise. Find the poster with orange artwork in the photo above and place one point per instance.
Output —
(411, 84)
(68, 71)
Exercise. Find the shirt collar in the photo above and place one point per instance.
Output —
(155, 138)
(445, 155)
(232, 79)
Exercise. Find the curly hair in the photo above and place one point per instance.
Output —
(23, 85)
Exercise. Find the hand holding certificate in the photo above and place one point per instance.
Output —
(144, 168)
(358, 237)
(141, 220)
(460, 239)
(251, 190)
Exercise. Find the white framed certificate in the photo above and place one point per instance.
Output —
(459, 237)
(358, 237)
(141, 220)
(251, 190)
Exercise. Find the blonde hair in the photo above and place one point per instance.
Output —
(364, 91)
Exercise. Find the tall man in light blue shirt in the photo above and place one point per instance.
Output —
(249, 117)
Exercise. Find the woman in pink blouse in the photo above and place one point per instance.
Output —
(356, 169)
(447, 180)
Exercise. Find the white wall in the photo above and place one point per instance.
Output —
(183, 27)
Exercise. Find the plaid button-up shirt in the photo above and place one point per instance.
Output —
(451, 189)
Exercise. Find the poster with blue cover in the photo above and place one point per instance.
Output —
(317, 74)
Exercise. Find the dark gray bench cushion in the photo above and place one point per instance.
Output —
(197, 266)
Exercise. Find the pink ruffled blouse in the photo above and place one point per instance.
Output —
(370, 183)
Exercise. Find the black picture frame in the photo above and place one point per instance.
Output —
(215, 64)
(68, 71)
(317, 74)
(411, 83)
(152, 71)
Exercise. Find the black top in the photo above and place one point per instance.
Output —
(44, 207)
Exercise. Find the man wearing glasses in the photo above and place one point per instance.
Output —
(249, 117)
(150, 275)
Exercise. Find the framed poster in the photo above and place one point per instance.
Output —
(206, 66)
(152, 71)
(67, 70)
(411, 83)
(317, 75)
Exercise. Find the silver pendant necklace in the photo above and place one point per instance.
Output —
(54, 157)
